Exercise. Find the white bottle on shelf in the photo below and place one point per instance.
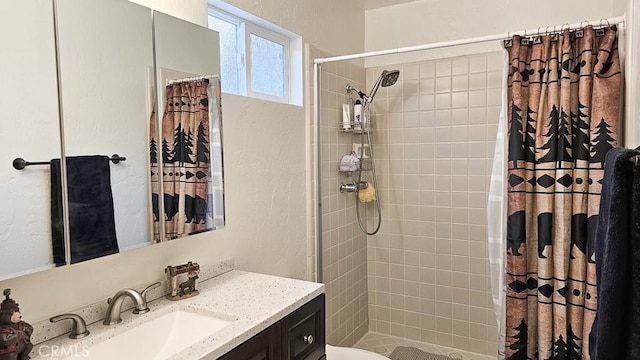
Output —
(357, 116)
(346, 117)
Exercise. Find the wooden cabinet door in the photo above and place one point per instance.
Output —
(303, 332)
(264, 346)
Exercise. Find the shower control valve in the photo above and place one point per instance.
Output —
(351, 187)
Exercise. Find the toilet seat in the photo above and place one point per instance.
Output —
(344, 353)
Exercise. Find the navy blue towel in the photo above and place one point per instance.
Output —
(617, 267)
(92, 226)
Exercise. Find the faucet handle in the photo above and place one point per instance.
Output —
(78, 327)
(143, 294)
(149, 288)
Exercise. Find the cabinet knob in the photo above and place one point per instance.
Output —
(308, 339)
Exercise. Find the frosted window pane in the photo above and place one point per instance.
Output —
(228, 53)
(267, 66)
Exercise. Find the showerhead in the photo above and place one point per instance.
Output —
(387, 78)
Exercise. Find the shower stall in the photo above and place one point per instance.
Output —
(424, 274)
(414, 266)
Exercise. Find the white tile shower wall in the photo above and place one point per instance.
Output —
(344, 245)
(428, 267)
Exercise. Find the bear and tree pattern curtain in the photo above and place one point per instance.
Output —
(563, 108)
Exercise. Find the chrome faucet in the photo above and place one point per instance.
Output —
(115, 304)
(78, 328)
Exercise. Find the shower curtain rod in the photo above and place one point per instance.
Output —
(195, 78)
(546, 30)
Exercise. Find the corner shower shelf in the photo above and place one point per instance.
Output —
(352, 129)
(365, 163)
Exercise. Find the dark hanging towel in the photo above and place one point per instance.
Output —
(92, 226)
(615, 333)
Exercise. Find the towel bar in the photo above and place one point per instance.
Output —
(20, 163)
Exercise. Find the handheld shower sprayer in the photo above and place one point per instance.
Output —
(387, 78)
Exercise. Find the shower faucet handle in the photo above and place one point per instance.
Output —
(349, 187)
(353, 186)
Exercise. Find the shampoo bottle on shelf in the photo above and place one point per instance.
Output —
(357, 116)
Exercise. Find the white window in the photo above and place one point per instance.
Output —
(255, 60)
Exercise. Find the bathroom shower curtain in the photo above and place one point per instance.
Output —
(191, 156)
(563, 106)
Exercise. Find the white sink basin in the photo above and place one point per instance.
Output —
(156, 339)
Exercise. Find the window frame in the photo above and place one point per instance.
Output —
(244, 30)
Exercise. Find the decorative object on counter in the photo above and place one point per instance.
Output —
(15, 334)
(187, 288)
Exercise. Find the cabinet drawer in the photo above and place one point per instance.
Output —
(303, 331)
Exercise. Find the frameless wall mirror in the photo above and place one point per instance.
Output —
(105, 51)
(108, 89)
(30, 130)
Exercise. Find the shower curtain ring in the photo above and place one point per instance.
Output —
(585, 21)
(606, 21)
(568, 26)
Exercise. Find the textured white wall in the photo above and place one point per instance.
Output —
(190, 10)
(265, 191)
(431, 21)
(29, 130)
(335, 26)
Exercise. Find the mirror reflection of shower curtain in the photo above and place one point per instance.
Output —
(191, 152)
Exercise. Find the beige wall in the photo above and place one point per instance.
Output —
(265, 191)
(431, 21)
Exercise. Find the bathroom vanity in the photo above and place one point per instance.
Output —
(298, 336)
(238, 315)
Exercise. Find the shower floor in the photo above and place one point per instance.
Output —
(384, 344)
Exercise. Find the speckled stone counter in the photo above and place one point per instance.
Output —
(253, 301)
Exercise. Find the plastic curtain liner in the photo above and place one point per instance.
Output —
(497, 216)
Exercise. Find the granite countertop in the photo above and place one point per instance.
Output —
(253, 301)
